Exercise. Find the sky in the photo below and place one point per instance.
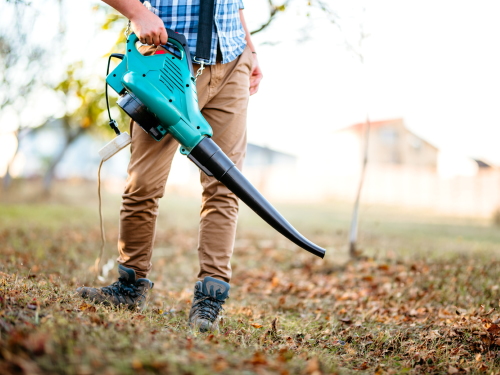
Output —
(433, 63)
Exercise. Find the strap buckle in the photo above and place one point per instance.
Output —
(200, 69)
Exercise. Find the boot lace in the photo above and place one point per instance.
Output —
(207, 306)
(121, 288)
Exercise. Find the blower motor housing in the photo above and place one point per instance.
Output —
(138, 112)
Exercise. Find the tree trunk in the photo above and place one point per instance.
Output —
(49, 174)
(7, 179)
(354, 252)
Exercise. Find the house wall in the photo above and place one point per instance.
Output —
(385, 145)
(417, 152)
(258, 156)
(392, 143)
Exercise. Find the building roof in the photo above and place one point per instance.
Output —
(360, 127)
(482, 163)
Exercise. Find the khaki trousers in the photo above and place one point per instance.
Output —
(223, 92)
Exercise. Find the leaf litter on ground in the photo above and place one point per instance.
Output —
(288, 312)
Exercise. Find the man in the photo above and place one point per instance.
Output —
(231, 75)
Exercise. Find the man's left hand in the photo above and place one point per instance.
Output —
(255, 75)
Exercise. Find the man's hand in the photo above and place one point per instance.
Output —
(146, 25)
(255, 75)
(149, 28)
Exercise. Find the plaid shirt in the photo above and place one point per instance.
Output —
(182, 17)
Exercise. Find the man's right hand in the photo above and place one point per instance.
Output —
(148, 27)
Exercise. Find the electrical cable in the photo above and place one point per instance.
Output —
(112, 123)
(106, 90)
(97, 262)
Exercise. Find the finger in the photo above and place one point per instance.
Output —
(256, 80)
(163, 36)
(156, 40)
(257, 73)
(254, 88)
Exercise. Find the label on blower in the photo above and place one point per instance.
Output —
(115, 145)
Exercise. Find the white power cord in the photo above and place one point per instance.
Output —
(103, 238)
(110, 149)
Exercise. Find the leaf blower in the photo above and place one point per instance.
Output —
(159, 93)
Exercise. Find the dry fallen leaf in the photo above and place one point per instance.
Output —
(136, 364)
(88, 308)
(258, 359)
(220, 365)
(494, 329)
(362, 366)
(312, 366)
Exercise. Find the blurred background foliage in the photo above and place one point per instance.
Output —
(81, 96)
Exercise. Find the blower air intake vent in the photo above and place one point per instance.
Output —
(164, 79)
(170, 73)
(171, 81)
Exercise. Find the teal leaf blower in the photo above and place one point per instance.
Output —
(159, 93)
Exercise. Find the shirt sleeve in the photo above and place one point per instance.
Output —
(241, 6)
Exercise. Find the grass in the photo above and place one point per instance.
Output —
(423, 299)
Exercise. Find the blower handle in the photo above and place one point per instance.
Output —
(178, 40)
(181, 39)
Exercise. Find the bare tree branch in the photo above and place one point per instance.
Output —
(332, 16)
(273, 11)
(23, 2)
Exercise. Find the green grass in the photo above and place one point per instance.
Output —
(423, 298)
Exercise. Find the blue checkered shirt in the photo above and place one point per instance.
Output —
(182, 17)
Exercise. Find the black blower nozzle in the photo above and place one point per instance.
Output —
(214, 162)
